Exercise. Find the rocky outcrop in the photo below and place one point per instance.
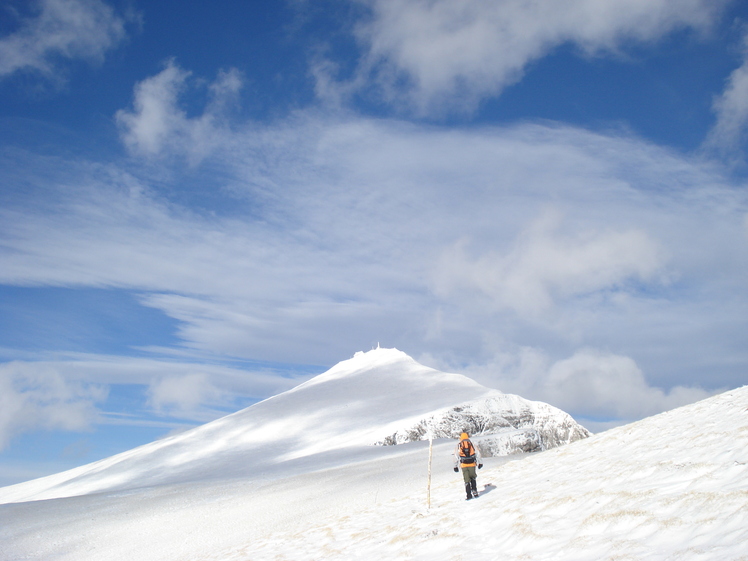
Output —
(500, 425)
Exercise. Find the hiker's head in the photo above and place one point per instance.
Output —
(464, 435)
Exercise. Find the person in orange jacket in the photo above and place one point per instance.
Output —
(468, 458)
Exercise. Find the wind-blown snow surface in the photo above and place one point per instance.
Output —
(674, 486)
(332, 418)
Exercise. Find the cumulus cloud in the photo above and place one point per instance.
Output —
(158, 125)
(595, 385)
(34, 396)
(599, 388)
(61, 29)
(448, 52)
(543, 265)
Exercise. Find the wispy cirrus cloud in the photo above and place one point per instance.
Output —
(61, 29)
(337, 227)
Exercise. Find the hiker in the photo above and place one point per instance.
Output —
(468, 457)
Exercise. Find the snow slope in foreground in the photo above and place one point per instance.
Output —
(671, 487)
(331, 419)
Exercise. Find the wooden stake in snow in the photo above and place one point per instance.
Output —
(431, 448)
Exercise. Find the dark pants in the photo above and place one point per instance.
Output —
(469, 474)
(471, 485)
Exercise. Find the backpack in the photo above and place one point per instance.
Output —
(467, 452)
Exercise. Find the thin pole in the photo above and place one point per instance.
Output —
(431, 448)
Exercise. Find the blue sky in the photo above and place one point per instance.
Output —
(202, 204)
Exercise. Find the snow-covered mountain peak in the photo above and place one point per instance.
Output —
(362, 362)
(375, 357)
(378, 397)
(387, 383)
(385, 371)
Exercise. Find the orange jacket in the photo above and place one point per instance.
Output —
(466, 455)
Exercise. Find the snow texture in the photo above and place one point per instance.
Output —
(671, 487)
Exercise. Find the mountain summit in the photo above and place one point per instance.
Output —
(380, 397)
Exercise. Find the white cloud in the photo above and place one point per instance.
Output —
(333, 230)
(156, 117)
(71, 29)
(601, 389)
(34, 396)
(544, 265)
(727, 136)
(157, 124)
(595, 384)
(186, 395)
(454, 54)
(69, 392)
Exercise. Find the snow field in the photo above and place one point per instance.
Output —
(673, 487)
(196, 520)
